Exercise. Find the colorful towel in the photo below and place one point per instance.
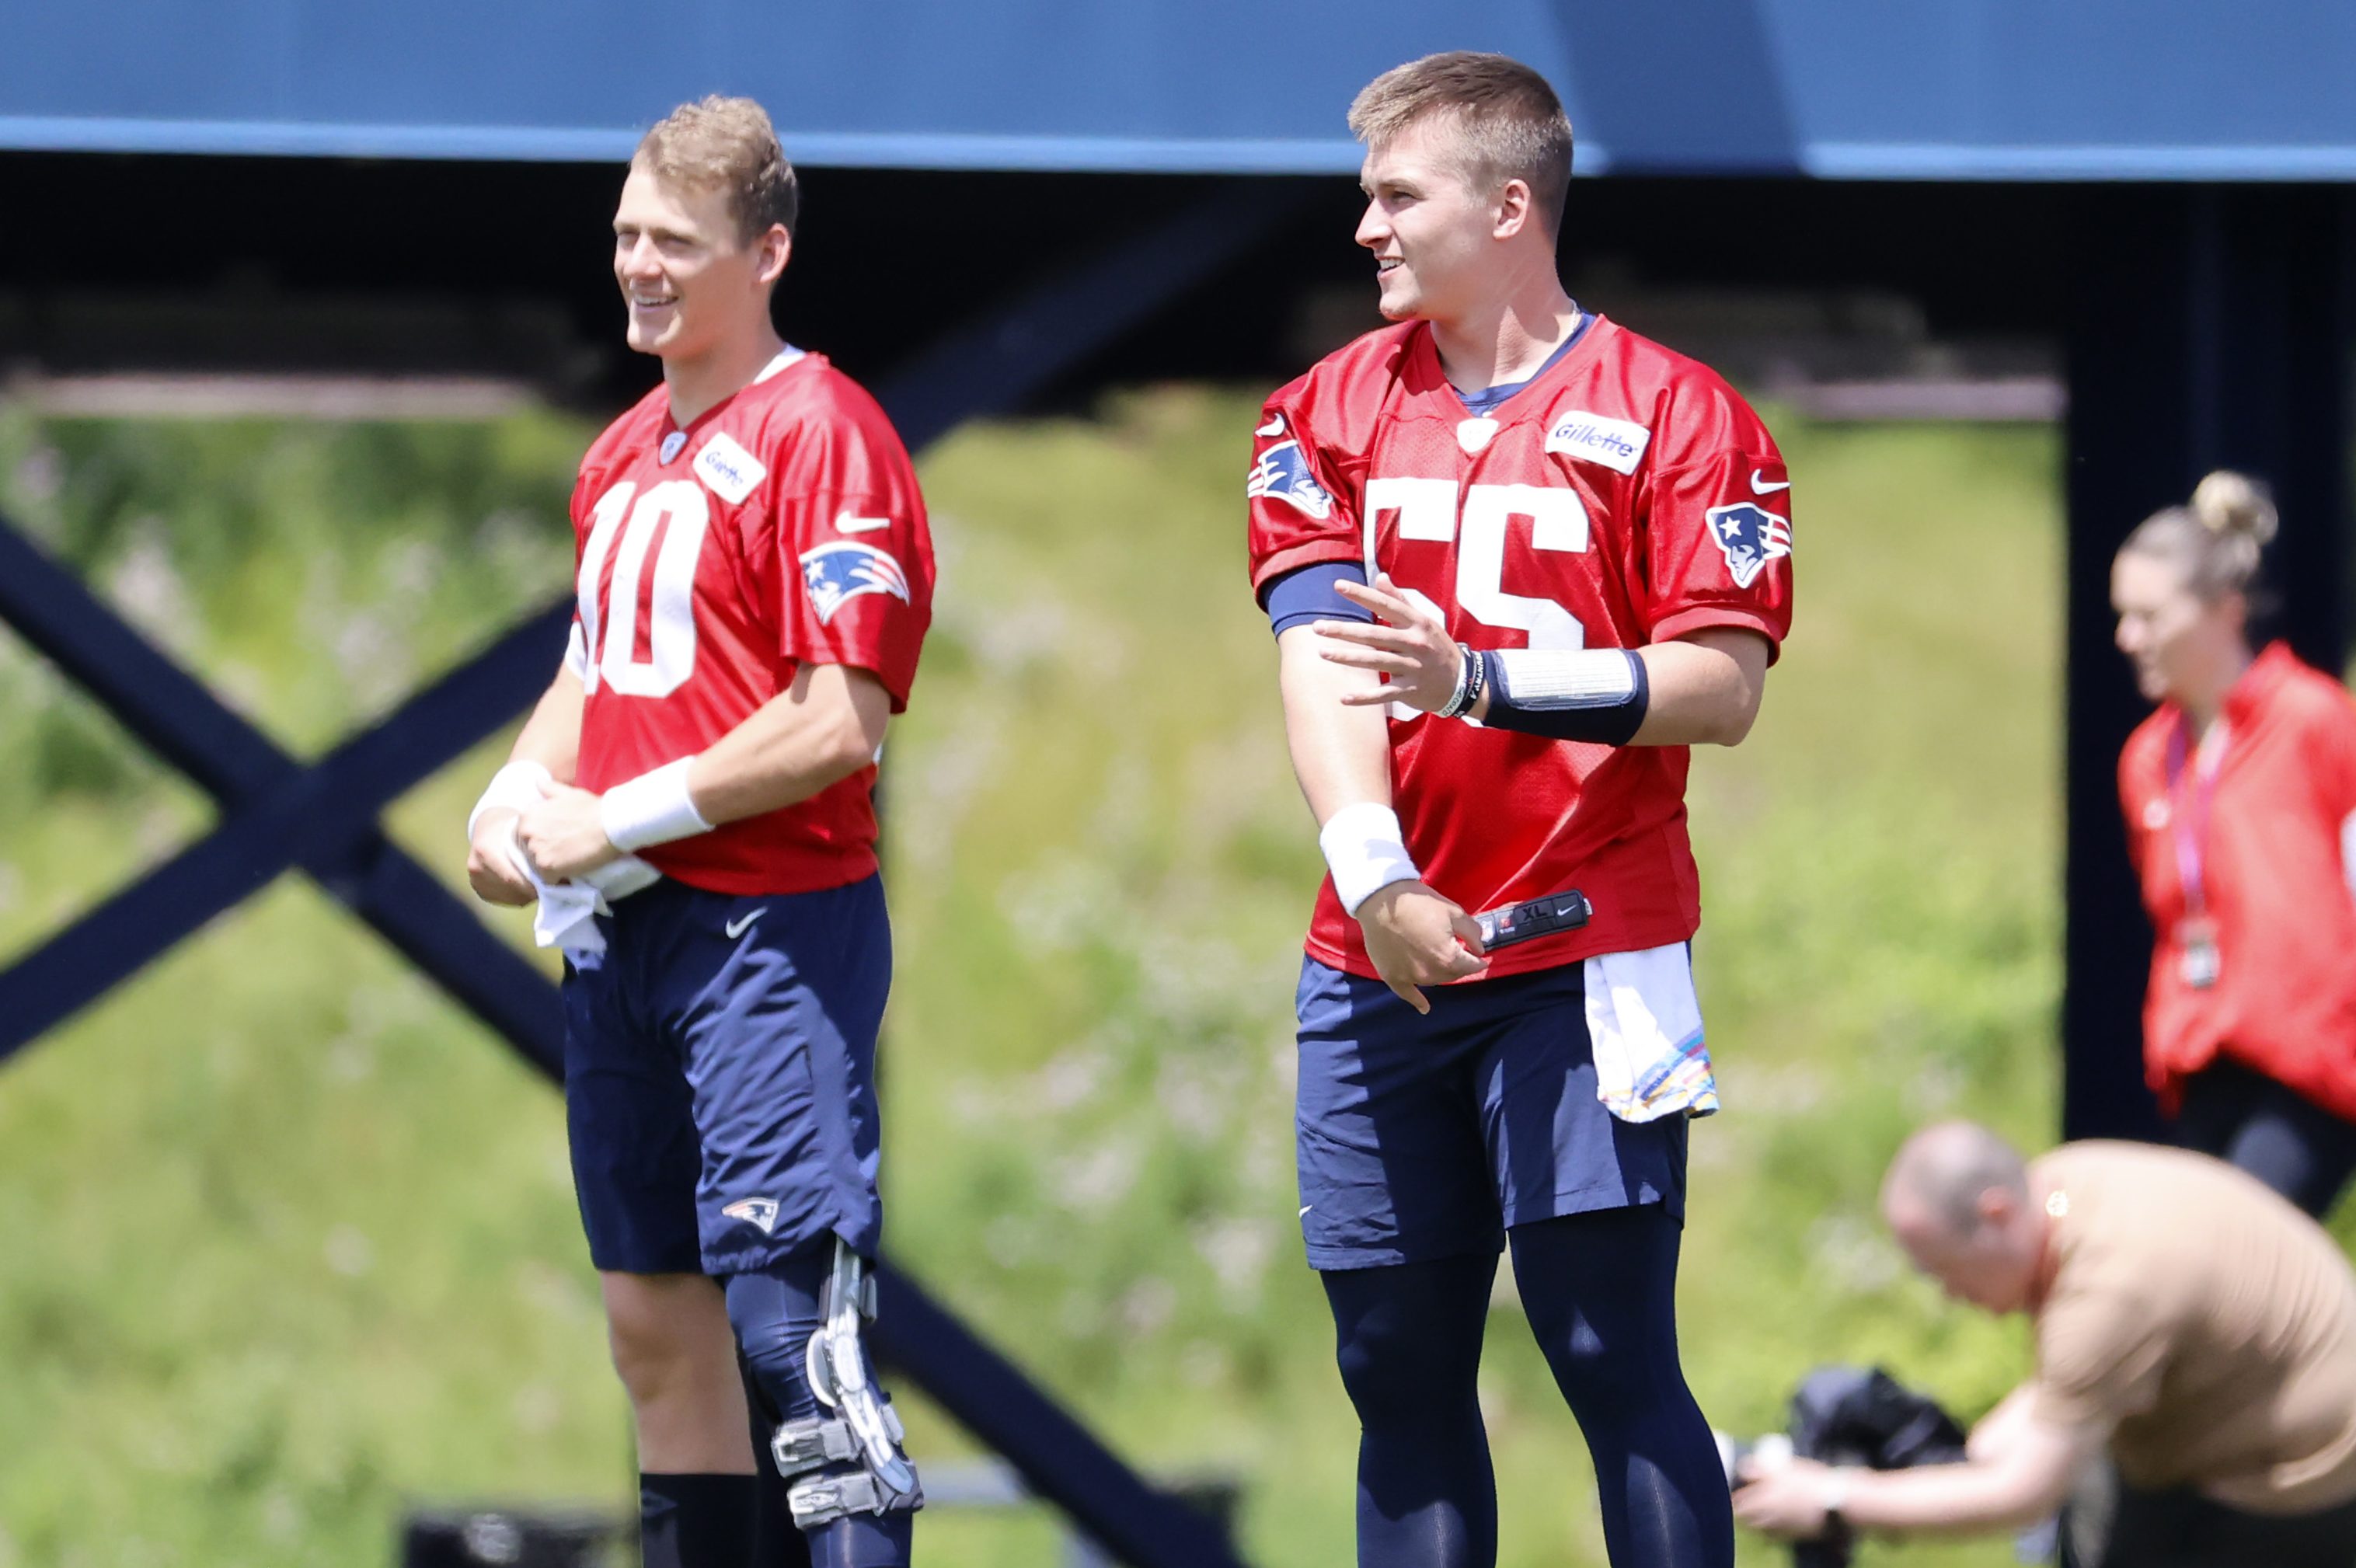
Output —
(1645, 1024)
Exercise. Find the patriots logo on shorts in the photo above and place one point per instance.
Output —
(847, 569)
(1750, 537)
(1281, 474)
(757, 1211)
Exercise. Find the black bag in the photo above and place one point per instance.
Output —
(1864, 1417)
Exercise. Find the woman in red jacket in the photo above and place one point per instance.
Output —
(2239, 795)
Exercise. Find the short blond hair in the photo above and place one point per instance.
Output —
(728, 144)
(1508, 122)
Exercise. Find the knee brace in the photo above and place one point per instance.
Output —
(839, 1442)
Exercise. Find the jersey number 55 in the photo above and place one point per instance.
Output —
(1427, 511)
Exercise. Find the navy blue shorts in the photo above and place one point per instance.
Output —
(720, 1076)
(1424, 1138)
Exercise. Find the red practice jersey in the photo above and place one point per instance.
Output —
(783, 526)
(1625, 496)
(2269, 834)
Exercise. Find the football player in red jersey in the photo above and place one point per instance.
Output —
(1565, 551)
(691, 806)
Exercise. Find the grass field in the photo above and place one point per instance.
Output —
(286, 1241)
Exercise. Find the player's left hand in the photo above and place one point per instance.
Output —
(1787, 1501)
(1409, 643)
(563, 837)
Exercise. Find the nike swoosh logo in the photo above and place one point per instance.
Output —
(1304, 1209)
(739, 926)
(851, 525)
(1759, 486)
(1275, 426)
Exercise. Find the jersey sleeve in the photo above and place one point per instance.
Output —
(853, 551)
(2337, 759)
(2130, 812)
(2335, 783)
(585, 484)
(1717, 517)
(1302, 509)
(576, 652)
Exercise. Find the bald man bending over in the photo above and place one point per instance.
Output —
(2194, 1400)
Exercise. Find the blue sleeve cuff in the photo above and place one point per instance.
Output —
(1307, 594)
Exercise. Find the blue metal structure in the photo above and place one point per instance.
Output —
(2000, 89)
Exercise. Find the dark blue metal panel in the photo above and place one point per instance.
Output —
(1942, 89)
(1669, 88)
(2091, 90)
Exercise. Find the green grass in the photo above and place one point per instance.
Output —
(285, 1240)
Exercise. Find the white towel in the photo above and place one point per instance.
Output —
(567, 913)
(1645, 1023)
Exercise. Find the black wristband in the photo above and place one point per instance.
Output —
(1471, 679)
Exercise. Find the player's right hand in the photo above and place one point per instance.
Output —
(1418, 938)
(490, 871)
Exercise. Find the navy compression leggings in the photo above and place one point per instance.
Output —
(1599, 1291)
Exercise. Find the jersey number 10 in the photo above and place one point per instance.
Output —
(676, 512)
(1427, 510)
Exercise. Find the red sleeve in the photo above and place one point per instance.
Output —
(2130, 809)
(1717, 515)
(2340, 758)
(584, 484)
(1302, 510)
(853, 551)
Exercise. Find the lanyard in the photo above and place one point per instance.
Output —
(2189, 819)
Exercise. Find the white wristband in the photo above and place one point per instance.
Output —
(1569, 678)
(516, 787)
(653, 808)
(1365, 852)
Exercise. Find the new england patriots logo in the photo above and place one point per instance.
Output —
(1281, 474)
(846, 569)
(761, 1212)
(1750, 537)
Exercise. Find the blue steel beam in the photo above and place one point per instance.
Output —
(2100, 90)
(279, 815)
(174, 714)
